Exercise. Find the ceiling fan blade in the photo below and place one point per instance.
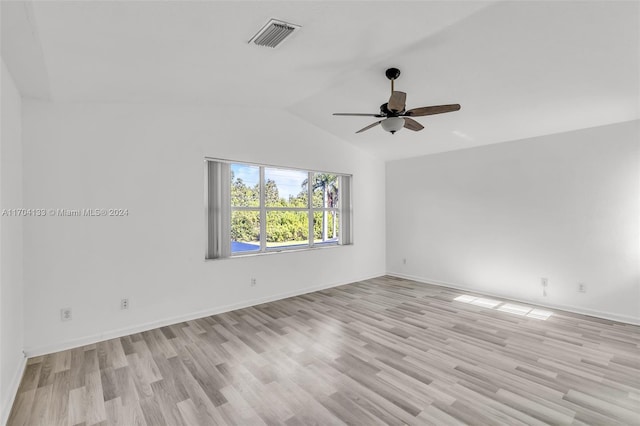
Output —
(357, 114)
(430, 110)
(397, 101)
(369, 126)
(412, 124)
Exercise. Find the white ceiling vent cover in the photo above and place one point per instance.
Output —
(274, 33)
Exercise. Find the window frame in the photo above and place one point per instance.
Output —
(219, 214)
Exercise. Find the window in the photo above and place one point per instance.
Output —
(258, 209)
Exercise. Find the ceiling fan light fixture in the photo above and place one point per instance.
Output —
(393, 124)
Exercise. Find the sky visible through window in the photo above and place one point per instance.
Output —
(289, 181)
(249, 174)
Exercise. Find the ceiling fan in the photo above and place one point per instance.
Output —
(394, 113)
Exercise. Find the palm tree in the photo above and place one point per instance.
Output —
(329, 185)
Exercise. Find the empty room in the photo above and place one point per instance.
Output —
(319, 213)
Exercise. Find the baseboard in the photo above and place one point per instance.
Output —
(88, 340)
(12, 391)
(569, 308)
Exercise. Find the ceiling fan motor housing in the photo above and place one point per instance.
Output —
(384, 110)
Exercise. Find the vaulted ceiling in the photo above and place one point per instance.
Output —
(519, 69)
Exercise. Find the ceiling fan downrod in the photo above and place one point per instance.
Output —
(392, 74)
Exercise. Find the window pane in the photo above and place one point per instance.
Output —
(326, 227)
(286, 188)
(245, 231)
(286, 229)
(325, 190)
(245, 185)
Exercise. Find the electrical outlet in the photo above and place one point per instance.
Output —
(253, 282)
(582, 288)
(124, 304)
(545, 283)
(65, 314)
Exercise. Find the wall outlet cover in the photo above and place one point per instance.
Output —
(66, 314)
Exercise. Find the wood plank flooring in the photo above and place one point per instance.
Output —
(381, 351)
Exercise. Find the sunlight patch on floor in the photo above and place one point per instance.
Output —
(505, 307)
(485, 303)
(515, 309)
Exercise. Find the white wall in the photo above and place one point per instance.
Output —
(11, 285)
(496, 219)
(150, 160)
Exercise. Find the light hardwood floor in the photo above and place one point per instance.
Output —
(381, 351)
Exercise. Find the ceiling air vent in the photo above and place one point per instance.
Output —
(273, 33)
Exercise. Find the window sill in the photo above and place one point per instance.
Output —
(284, 250)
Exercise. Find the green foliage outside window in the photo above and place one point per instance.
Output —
(284, 226)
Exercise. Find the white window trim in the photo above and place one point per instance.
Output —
(218, 212)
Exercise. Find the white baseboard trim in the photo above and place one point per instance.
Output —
(12, 392)
(88, 340)
(569, 308)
